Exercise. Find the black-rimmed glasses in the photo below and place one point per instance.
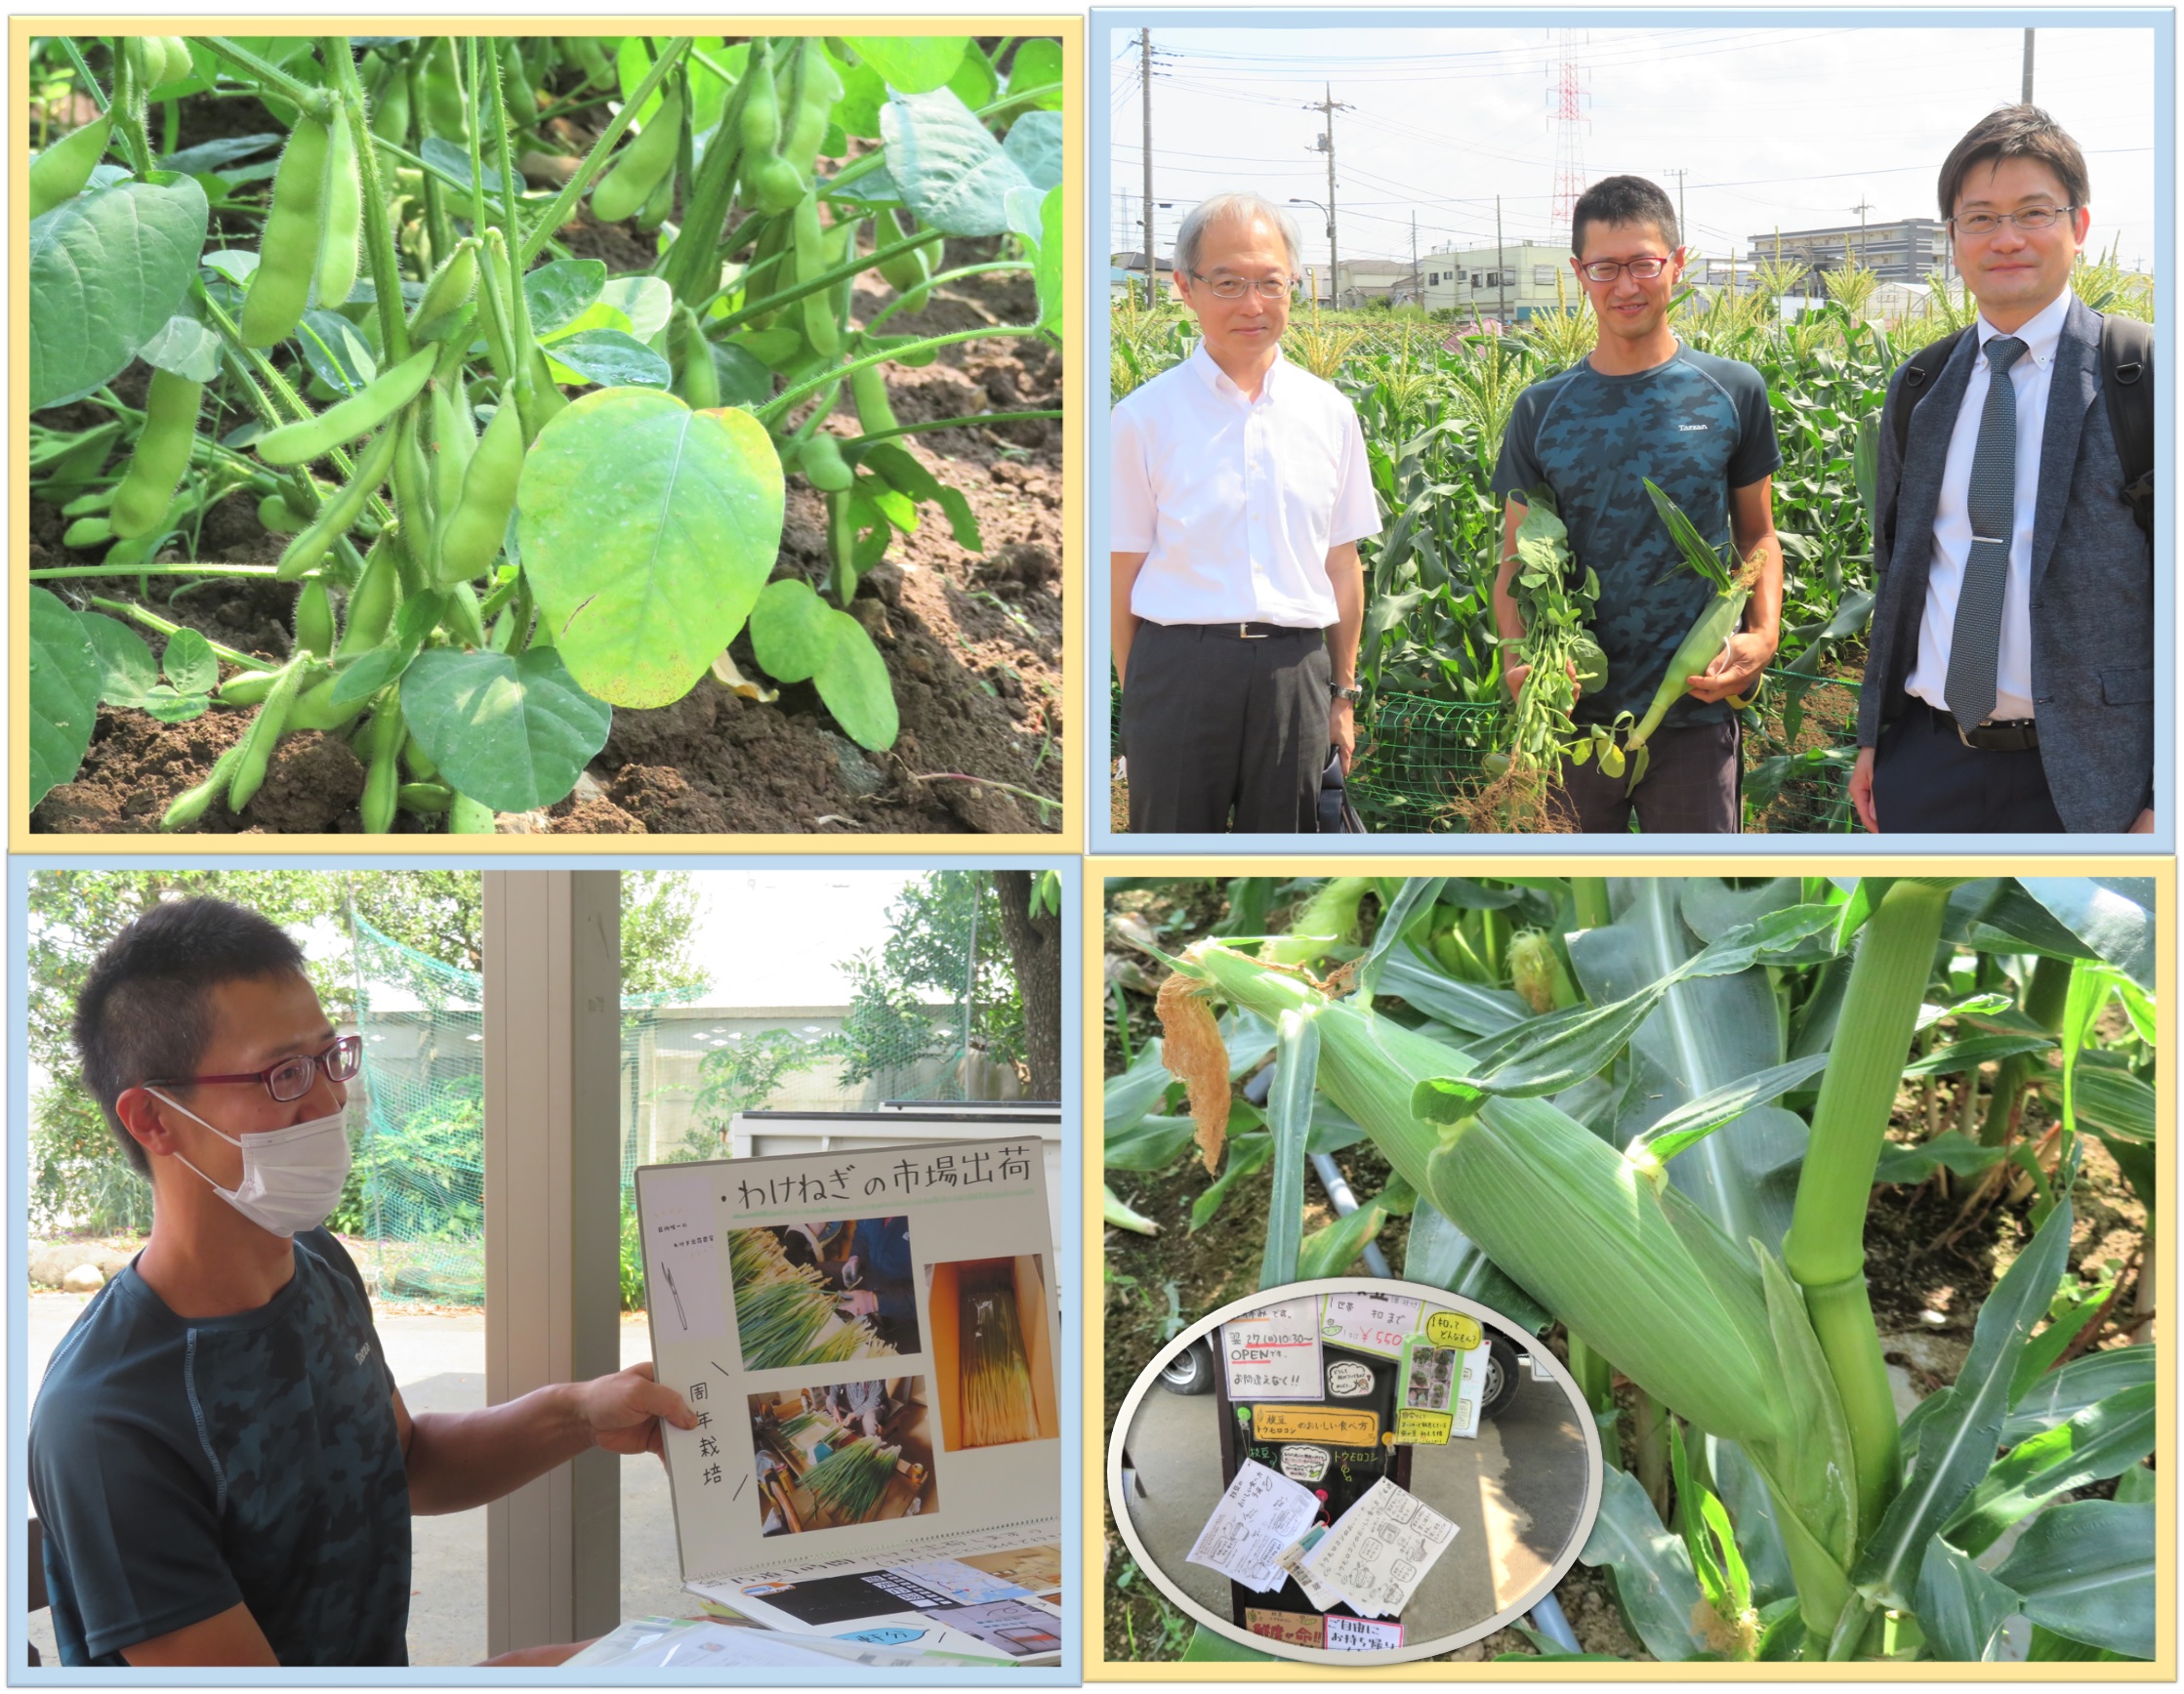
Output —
(292, 1078)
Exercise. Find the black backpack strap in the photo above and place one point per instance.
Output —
(2128, 390)
(1919, 370)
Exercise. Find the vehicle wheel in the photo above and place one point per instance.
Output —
(1191, 1371)
(1501, 1367)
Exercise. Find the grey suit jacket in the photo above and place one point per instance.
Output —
(2092, 585)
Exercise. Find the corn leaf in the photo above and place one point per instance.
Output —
(1245, 1154)
(1328, 1252)
(1653, 1573)
(1978, 1050)
(1464, 1006)
(2060, 1395)
(1948, 1151)
(1698, 553)
(2103, 1440)
(1151, 1143)
(1419, 894)
(1957, 1438)
(1126, 1097)
(2085, 1570)
(2073, 1306)
(1117, 1212)
(2116, 1101)
(1751, 1510)
(2113, 917)
(1690, 1124)
(1289, 1115)
(1960, 1607)
(1811, 1467)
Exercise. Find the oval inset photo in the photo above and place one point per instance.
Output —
(1354, 1472)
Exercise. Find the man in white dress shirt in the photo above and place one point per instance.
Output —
(2010, 681)
(1241, 490)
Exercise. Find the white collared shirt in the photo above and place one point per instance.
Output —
(1235, 502)
(1953, 530)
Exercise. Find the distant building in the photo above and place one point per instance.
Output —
(1125, 271)
(1364, 281)
(1893, 303)
(1478, 284)
(1904, 251)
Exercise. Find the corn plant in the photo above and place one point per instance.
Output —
(473, 603)
(1674, 1159)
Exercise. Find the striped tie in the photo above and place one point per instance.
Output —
(1975, 642)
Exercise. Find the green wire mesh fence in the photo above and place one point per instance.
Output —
(685, 1070)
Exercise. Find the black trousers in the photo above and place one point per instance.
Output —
(1926, 781)
(1224, 734)
(1693, 786)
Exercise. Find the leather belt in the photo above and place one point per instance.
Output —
(1241, 632)
(2016, 735)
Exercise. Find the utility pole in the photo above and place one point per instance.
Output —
(1418, 277)
(1327, 105)
(1862, 208)
(1145, 76)
(1501, 264)
(1683, 230)
(2028, 94)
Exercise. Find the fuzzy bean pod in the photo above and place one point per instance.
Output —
(161, 455)
(314, 619)
(88, 532)
(337, 514)
(876, 414)
(823, 466)
(316, 708)
(277, 516)
(454, 443)
(623, 191)
(187, 807)
(465, 617)
(445, 295)
(57, 175)
(697, 379)
(287, 254)
(383, 764)
(341, 219)
(466, 816)
(905, 272)
(470, 534)
(265, 732)
(819, 326)
(389, 101)
(372, 601)
(424, 797)
(349, 420)
(250, 688)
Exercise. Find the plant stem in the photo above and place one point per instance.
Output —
(572, 190)
(1824, 1248)
(965, 423)
(1595, 1379)
(1590, 894)
(855, 264)
(988, 782)
(153, 621)
(301, 94)
(379, 235)
(1649, 1430)
(2045, 998)
(812, 385)
(58, 573)
(935, 281)
(76, 59)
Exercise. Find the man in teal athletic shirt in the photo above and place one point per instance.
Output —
(1643, 406)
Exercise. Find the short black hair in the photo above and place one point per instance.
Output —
(145, 1010)
(1623, 201)
(2015, 132)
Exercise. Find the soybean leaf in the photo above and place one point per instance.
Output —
(2085, 1570)
(1957, 1437)
(453, 163)
(745, 381)
(1114, 1211)
(2103, 1440)
(127, 668)
(512, 734)
(1417, 894)
(336, 350)
(170, 707)
(863, 93)
(65, 677)
(1036, 66)
(2113, 916)
(853, 680)
(1653, 1572)
(190, 663)
(107, 270)
(1152, 1143)
(647, 531)
(1948, 1151)
(1289, 1116)
(1035, 144)
(1462, 1006)
(974, 82)
(790, 632)
(1692, 1123)
(183, 346)
(611, 358)
(912, 64)
(645, 304)
(1439, 1254)
(1960, 1607)
(1245, 1154)
(1328, 1252)
(952, 173)
(559, 292)
(1973, 1052)
(211, 156)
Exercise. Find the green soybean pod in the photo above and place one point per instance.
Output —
(622, 192)
(341, 226)
(314, 619)
(876, 416)
(842, 546)
(337, 514)
(823, 466)
(471, 535)
(905, 272)
(372, 601)
(466, 618)
(98, 500)
(413, 487)
(389, 92)
(250, 688)
(280, 287)
(414, 761)
(59, 174)
(88, 532)
(516, 92)
(761, 122)
(454, 443)
(807, 126)
(587, 56)
(316, 708)
(265, 732)
(445, 295)
(424, 797)
(777, 184)
(187, 807)
(466, 816)
(697, 379)
(547, 399)
(161, 454)
(277, 516)
(819, 326)
(383, 764)
(351, 419)
(444, 110)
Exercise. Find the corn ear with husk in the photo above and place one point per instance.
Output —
(1635, 1270)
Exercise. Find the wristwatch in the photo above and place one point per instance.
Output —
(1349, 691)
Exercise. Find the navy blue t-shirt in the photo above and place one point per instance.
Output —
(1699, 426)
(183, 1466)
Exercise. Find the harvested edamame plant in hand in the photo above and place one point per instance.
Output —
(517, 488)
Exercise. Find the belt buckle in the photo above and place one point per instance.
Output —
(1244, 634)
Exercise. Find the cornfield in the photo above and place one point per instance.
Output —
(849, 1481)
(785, 1314)
(997, 1402)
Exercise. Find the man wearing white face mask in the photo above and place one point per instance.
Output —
(221, 1462)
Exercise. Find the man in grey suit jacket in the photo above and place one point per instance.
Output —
(2009, 685)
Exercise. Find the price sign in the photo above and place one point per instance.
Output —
(1370, 1323)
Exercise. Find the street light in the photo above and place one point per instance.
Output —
(1332, 281)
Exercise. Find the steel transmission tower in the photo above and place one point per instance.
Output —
(1570, 100)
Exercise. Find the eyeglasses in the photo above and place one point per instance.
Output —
(292, 1078)
(2031, 218)
(1234, 287)
(1608, 270)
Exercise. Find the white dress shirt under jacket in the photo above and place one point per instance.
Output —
(1953, 530)
(1235, 502)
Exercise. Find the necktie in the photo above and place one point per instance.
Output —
(1975, 641)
